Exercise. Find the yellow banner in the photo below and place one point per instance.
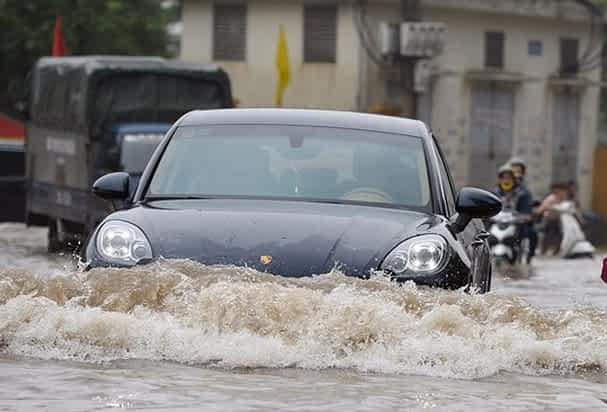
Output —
(283, 67)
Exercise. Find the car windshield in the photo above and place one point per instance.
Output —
(293, 162)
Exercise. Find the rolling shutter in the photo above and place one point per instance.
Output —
(565, 136)
(491, 132)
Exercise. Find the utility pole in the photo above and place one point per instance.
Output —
(410, 12)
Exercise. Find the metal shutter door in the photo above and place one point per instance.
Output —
(491, 140)
(565, 138)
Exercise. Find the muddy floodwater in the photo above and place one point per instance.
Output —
(181, 336)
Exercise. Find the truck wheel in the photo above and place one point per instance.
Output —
(54, 245)
(86, 236)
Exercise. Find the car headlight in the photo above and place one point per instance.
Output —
(424, 255)
(122, 243)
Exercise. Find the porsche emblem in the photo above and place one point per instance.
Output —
(265, 260)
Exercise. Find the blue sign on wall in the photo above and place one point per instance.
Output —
(535, 47)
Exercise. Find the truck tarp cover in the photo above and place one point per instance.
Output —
(98, 91)
(123, 98)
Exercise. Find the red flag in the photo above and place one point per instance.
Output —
(59, 48)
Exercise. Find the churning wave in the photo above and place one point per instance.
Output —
(230, 317)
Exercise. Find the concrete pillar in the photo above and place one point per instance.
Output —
(449, 121)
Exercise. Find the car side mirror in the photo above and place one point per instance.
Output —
(472, 203)
(113, 186)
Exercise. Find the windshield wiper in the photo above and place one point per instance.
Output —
(175, 197)
(328, 201)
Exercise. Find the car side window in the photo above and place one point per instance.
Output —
(445, 178)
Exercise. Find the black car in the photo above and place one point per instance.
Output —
(298, 193)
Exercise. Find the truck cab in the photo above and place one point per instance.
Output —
(92, 115)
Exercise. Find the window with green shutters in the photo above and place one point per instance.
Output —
(320, 33)
(230, 32)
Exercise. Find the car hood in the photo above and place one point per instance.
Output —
(280, 237)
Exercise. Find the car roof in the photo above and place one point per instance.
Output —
(305, 117)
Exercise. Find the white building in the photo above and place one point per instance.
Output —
(497, 90)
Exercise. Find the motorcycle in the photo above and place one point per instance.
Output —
(507, 247)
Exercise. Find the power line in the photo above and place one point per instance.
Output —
(591, 58)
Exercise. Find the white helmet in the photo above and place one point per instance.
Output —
(518, 161)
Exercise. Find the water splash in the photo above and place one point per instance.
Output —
(236, 317)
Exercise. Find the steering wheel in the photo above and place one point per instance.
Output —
(368, 194)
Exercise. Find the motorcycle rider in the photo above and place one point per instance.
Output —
(519, 169)
(509, 191)
(513, 198)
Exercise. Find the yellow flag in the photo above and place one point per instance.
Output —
(282, 67)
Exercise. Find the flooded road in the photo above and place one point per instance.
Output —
(179, 335)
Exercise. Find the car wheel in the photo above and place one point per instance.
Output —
(481, 275)
(490, 271)
(481, 281)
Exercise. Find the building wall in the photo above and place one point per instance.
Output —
(451, 87)
(318, 85)
(464, 52)
(355, 82)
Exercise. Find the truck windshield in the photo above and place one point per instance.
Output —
(136, 150)
(293, 162)
(149, 97)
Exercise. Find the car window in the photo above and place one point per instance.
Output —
(445, 178)
(294, 162)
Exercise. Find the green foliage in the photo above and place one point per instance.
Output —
(128, 27)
